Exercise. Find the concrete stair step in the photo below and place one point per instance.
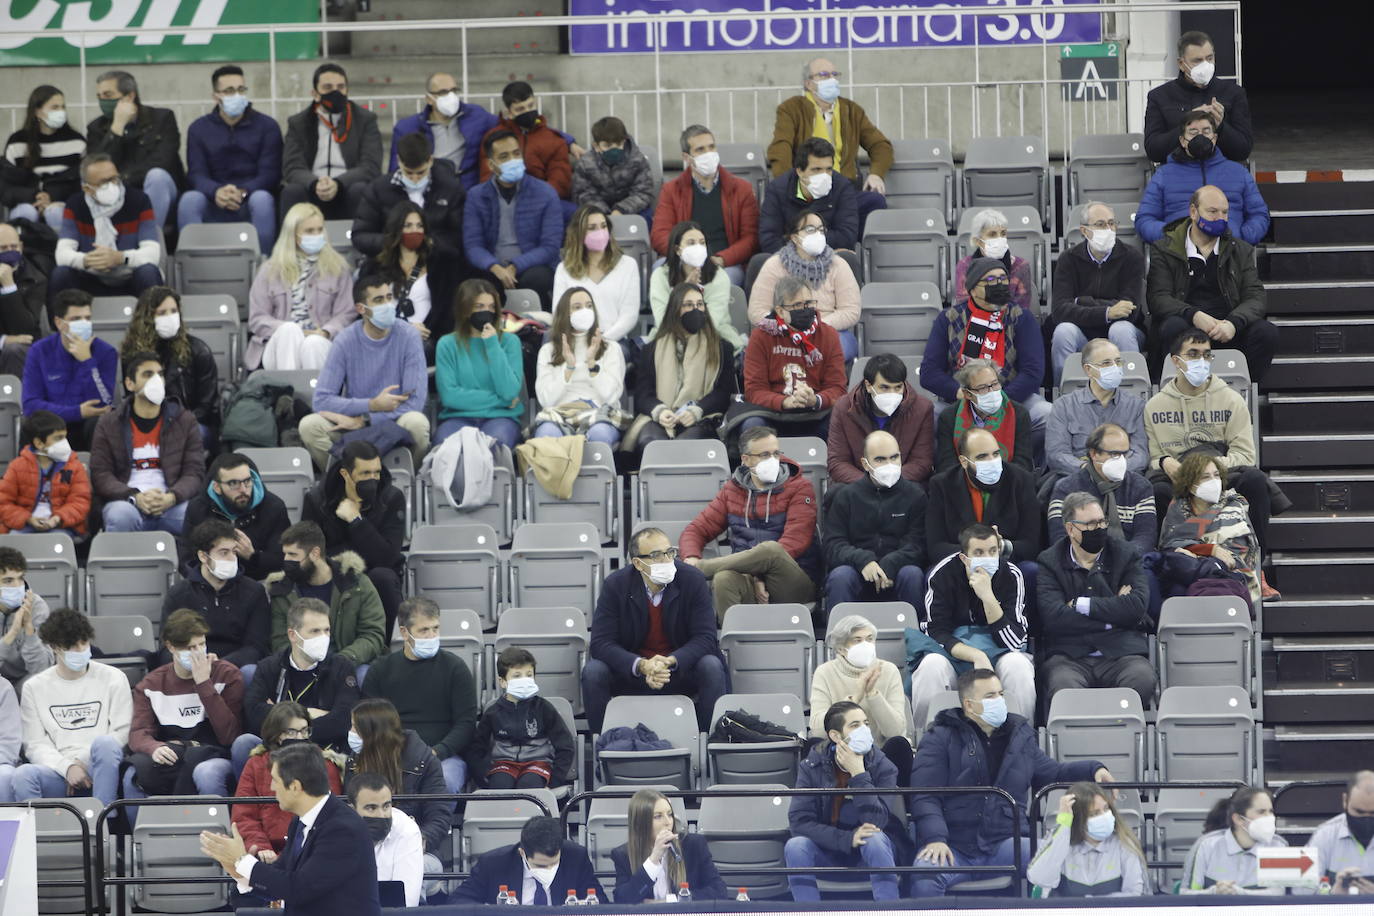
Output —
(1313, 449)
(1297, 702)
(1338, 491)
(1308, 372)
(1322, 531)
(1333, 616)
(1317, 746)
(1307, 262)
(1319, 411)
(1326, 336)
(1306, 296)
(1319, 195)
(1326, 577)
(1329, 226)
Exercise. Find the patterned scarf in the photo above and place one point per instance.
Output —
(963, 330)
(776, 327)
(300, 305)
(1001, 423)
(813, 271)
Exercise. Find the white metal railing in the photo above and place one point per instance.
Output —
(956, 110)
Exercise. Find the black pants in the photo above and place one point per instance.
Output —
(526, 781)
(1134, 671)
(537, 278)
(1257, 340)
(654, 432)
(1248, 482)
(344, 205)
(388, 585)
(176, 778)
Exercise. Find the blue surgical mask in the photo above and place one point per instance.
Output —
(383, 315)
(522, 688)
(81, 328)
(415, 185)
(233, 105)
(313, 244)
(1101, 826)
(1110, 377)
(184, 657)
(860, 740)
(994, 711)
(828, 90)
(988, 472)
(77, 661)
(512, 170)
(11, 596)
(989, 402)
(1216, 228)
(989, 564)
(425, 648)
(1197, 371)
(355, 742)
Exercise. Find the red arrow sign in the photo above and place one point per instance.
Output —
(1301, 863)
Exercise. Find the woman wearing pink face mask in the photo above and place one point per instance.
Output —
(592, 260)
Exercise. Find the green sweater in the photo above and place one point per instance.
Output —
(436, 697)
(481, 379)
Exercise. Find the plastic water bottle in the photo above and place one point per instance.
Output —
(592, 899)
(1325, 886)
(742, 896)
(503, 896)
(571, 899)
(684, 893)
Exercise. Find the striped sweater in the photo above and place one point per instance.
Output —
(55, 171)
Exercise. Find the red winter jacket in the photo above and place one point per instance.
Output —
(264, 826)
(768, 378)
(69, 494)
(738, 204)
(545, 151)
(912, 424)
(784, 512)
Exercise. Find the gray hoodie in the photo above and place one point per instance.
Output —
(26, 654)
(11, 725)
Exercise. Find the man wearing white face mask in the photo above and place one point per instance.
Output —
(985, 488)
(108, 244)
(884, 400)
(875, 532)
(22, 612)
(1196, 87)
(537, 871)
(433, 691)
(1127, 497)
(454, 127)
(653, 632)
(147, 458)
(812, 184)
(233, 606)
(725, 206)
(1078, 412)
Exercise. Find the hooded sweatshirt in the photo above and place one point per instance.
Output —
(1176, 422)
(783, 511)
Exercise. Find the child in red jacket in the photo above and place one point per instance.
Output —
(45, 488)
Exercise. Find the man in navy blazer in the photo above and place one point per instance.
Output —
(654, 632)
(327, 866)
(540, 869)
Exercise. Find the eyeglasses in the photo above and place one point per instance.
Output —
(694, 304)
(986, 389)
(763, 456)
(1101, 224)
(827, 75)
(233, 90)
(440, 93)
(1090, 526)
(802, 304)
(810, 230)
(659, 556)
(1112, 453)
(296, 732)
(240, 484)
(1207, 355)
(1107, 363)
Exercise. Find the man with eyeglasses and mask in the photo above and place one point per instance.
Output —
(332, 149)
(1197, 162)
(768, 507)
(1345, 843)
(1077, 413)
(109, 243)
(1097, 288)
(453, 127)
(654, 632)
(1127, 498)
(988, 326)
(813, 184)
(1093, 601)
(1202, 277)
(983, 404)
(236, 493)
(1197, 88)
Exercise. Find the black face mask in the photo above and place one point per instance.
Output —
(1361, 828)
(334, 102)
(1201, 147)
(297, 570)
(367, 489)
(526, 121)
(801, 319)
(287, 742)
(377, 828)
(479, 320)
(997, 293)
(1094, 539)
(694, 321)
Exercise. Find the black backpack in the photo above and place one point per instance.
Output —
(736, 726)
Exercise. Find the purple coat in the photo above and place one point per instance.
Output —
(269, 306)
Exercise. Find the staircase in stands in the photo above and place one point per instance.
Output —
(1317, 442)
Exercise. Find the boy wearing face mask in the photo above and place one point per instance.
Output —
(186, 715)
(522, 741)
(614, 175)
(45, 488)
(433, 691)
(233, 606)
(147, 458)
(545, 149)
(109, 243)
(22, 612)
(76, 718)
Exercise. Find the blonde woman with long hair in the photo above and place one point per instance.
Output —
(301, 298)
(1091, 852)
(659, 855)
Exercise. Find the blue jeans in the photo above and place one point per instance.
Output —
(846, 583)
(876, 851)
(240, 751)
(259, 209)
(6, 783)
(934, 885)
(34, 780)
(850, 344)
(211, 777)
(1068, 339)
(502, 429)
(52, 214)
(162, 192)
(125, 516)
(600, 432)
(455, 773)
(64, 278)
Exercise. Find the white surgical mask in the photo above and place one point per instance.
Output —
(1209, 491)
(448, 104)
(1202, 74)
(225, 569)
(1262, 829)
(11, 596)
(814, 243)
(860, 740)
(819, 185)
(861, 654)
(768, 469)
(355, 742)
(425, 648)
(989, 401)
(662, 573)
(995, 248)
(56, 120)
(1114, 469)
(81, 328)
(76, 661)
(185, 659)
(1101, 826)
(167, 325)
(887, 475)
(316, 647)
(707, 163)
(1102, 240)
(1110, 377)
(522, 688)
(887, 401)
(155, 390)
(582, 320)
(988, 564)
(109, 193)
(59, 451)
(988, 472)
(1197, 371)
(693, 255)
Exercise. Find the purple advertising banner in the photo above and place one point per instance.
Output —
(882, 24)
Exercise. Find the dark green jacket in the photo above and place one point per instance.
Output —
(357, 623)
(1167, 286)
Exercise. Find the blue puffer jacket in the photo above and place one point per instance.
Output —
(538, 224)
(951, 753)
(1166, 196)
(809, 815)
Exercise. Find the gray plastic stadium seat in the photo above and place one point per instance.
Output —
(215, 320)
(1107, 167)
(631, 233)
(302, 382)
(1128, 807)
(401, 463)
(216, 258)
(608, 827)
(58, 839)
(110, 316)
(521, 301)
(901, 246)
(501, 511)
(166, 843)
(1006, 172)
(1204, 641)
(809, 452)
(1177, 823)
(674, 719)
(1206, 733)
(764, 761)
(11, 413)
(769, 648)
(555, 564)
(678, 478)
(744, 832)
(52, 571)
(121, 639)
(674, 532)
(1025, 238)
(655, 165)
(922, 176)
(1135, 374)
(287, 471)
(128, 572)
(557, 637)
(747, 161)
(897, 317)
(1104, 723)
(1229, 365)
(945, 699)
(595, 495)
(340, 232)
(565, 710)
(490, 823)
(739, 311)
(890, 618)
(458, 566)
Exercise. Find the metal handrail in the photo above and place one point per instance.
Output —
(87, 884)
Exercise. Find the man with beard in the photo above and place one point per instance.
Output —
(237, 494)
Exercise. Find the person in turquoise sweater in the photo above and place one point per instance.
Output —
(479, 369)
